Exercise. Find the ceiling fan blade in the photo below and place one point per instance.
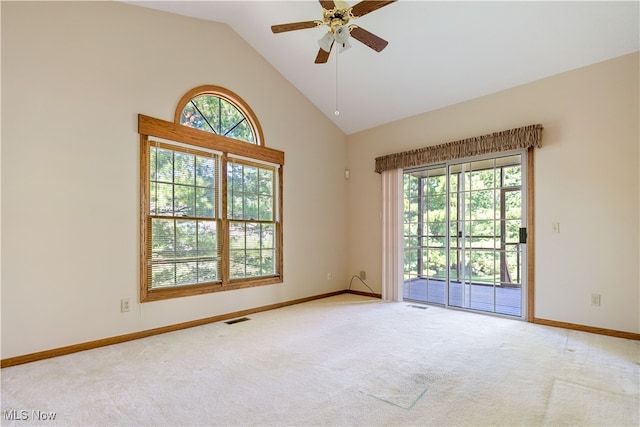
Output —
(367, 6)
(374, 42)
(327, 4)
(281, 28)
(323, 55)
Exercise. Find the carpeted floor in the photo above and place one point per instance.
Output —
(345, 360)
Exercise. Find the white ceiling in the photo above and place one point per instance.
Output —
(439, 53)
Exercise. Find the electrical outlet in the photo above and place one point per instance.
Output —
(124, 305)
(363, 275)
(595, 300)
(328, 275)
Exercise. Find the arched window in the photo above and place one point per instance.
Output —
(219, 111)
(211, 199)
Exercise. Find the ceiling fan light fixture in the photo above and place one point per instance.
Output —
(341, 34)
(326, 41)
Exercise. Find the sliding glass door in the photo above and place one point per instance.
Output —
(464, 234)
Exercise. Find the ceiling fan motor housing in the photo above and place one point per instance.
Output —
(336, 18)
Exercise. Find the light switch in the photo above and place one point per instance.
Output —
(555, 227)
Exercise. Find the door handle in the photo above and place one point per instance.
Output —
(523, 235)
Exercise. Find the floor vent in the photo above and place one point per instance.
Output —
(421, 307)
(242, 319)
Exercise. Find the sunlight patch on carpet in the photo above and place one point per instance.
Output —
(573, 404)
(402, 390)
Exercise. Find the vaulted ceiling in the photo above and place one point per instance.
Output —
(439, 53)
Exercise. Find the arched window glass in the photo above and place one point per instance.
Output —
(219, 111)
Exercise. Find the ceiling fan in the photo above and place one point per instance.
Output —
(336, 15)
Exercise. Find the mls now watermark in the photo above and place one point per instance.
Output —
(26, 415)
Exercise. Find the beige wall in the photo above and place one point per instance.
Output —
(586, 178)
(74, 77)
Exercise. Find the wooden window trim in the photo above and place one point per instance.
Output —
(159, 128)
(531, 249)
(153, 127)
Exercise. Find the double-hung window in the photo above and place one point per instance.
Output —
(251, 215)
(211, 199)
(183, 217)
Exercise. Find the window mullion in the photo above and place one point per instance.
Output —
(224, 221)
(175, 249)
(235, 126)
(204, 117)
(220, 116)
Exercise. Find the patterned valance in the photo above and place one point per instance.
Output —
(512, 139)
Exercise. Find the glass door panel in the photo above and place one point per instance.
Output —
(425, 228)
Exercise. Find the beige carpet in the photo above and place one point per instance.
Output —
(345, 360)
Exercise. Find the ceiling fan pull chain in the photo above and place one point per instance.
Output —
(337, 112)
